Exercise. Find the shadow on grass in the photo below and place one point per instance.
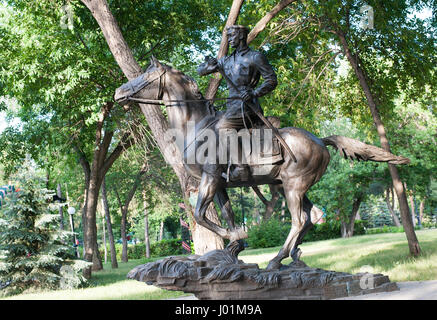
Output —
(398, 254)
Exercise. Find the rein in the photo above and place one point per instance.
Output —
(160, 93)
(163, 102)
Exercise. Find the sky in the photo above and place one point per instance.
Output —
(3, 123)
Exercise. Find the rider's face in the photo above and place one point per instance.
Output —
(234, 38)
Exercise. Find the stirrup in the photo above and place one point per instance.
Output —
(227, 175)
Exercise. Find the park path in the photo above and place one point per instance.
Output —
(409, 290)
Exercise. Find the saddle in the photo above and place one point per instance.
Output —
(265, 153)
(269, 150)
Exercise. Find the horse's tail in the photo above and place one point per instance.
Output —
(357, 150)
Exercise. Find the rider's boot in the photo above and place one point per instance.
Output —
(240, 173)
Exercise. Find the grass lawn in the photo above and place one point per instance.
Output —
(381, 253)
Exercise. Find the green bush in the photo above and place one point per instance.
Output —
(385, 229)
(273, 233)
(166, 247)
(429, 225)
(136, 251)
(268, 234)
(393, 229)
(360, 227)
(162, 248)
(324, 231)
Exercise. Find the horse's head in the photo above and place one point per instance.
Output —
(146, 86)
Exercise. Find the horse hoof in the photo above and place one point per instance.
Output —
(295, 254)
(274, 265)
(238, 234)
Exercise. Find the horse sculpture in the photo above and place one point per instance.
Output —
(185, 104)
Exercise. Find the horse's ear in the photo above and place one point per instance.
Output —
(155, 62)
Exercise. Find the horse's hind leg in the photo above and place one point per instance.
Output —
(303, 215)
(313, 215)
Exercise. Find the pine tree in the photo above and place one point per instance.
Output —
(33, 253)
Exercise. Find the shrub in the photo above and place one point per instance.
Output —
(268, 234)
(166, 247)
(161, 248)
(273, 232)
(324, 231)
(360, 227)
(385, 229)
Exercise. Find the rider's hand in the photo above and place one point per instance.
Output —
(247, 95)
(211, 61)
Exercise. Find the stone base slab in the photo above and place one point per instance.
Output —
(220, 275)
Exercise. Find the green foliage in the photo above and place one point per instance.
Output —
(385, 229)
(273, 232)
(167, 247)
(33, 253)
(332, 230)
(393, 229)
(376, 213)
(268, 234)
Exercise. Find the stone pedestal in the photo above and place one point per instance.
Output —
(220, 275)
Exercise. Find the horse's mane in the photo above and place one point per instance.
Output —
(191, 83)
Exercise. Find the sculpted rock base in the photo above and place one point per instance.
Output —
(220, 275)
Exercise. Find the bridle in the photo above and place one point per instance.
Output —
(134, 89)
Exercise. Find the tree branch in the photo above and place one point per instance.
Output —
(261, 24)
(124, 144)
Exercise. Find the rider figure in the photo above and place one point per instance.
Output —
(244, 68)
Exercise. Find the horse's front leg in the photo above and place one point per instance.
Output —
(209, 184)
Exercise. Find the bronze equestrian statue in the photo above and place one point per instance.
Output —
(186, 106)
(242, 70)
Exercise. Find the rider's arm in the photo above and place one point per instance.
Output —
(268, 74)
(208, 67)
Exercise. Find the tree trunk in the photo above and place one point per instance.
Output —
(161, 231)
(413, 243)
(124, 256)
(421, 211)
(270, 206)
(124, 207)
(146, 226)
(347, 227)
(392, 197)
(61, 208)
(123, 210)
(113, 251)
(104, 240)
(91, 249)
(413, 209)
(395, 218)
(94, 175)
(207, 240)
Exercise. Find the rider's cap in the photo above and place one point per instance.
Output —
(238, 27)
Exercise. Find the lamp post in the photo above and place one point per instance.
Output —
(71, 211)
